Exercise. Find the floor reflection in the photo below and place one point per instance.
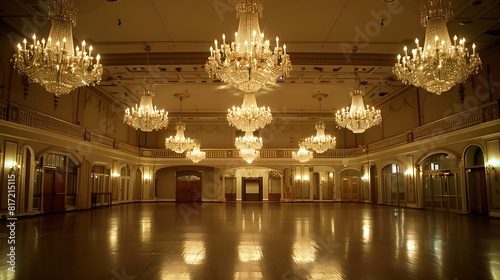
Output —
(256, 241)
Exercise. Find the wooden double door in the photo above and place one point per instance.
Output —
(188, 187)
(54, 191)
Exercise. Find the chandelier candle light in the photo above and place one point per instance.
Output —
(302, 155)
(321, 142)
(179, 143)
(195, 155)
(249, 117)
(248, 142)
(54, 63)
(145, 116)
(249, 155)
(250, 61)
(358, 118)
(438, 65)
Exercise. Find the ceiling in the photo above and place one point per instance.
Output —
(319, 34)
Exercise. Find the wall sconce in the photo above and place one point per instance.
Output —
(490, 168)
(116, 174)
(14, 167)
(146, 178)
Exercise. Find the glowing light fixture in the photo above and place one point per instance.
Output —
(249, 62)
(358, 118)
(55, 63)
(438, 65)
(145, 116)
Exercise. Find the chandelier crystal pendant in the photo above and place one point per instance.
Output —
(358, 118)
(302, 155)
(250, 62)
(179, 143)
(321, 142)
(438, 65)
(195, 155)
(145, 116)
(249, 117)
(54, 63)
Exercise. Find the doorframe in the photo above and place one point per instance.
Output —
(245, 180)
(196, 173)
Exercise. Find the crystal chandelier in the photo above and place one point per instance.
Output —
(145, 116)
(179, 143)
(439, 65)
(248, 142)
(321, 141)
(358, 118)
(54, 63)
(302, 155)
(249, 155)
(249, 117)
(195, 155)
(249, 62)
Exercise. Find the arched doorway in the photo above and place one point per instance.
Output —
(27, 180)
(441, 183)
(476, 181)
(350, 185)
(373, 183)
(188, 186)
(393, 185)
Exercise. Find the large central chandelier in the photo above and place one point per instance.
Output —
(321, 141)
(358, 118)
(249, 117)
(249, 62)
(179, 143)
(439, 65)
(54, 63)
(145, 116)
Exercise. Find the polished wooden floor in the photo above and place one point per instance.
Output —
(254, 241)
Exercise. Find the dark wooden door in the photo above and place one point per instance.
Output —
(54, 191)
(188, 188)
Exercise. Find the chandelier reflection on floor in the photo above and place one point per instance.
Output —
(179, 143)
(145, 116)
(356, 117)
(249, 117)
(321, 142)
(439, 65)
(54, 63)
(250, 61)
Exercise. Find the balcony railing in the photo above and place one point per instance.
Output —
(32, 118)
